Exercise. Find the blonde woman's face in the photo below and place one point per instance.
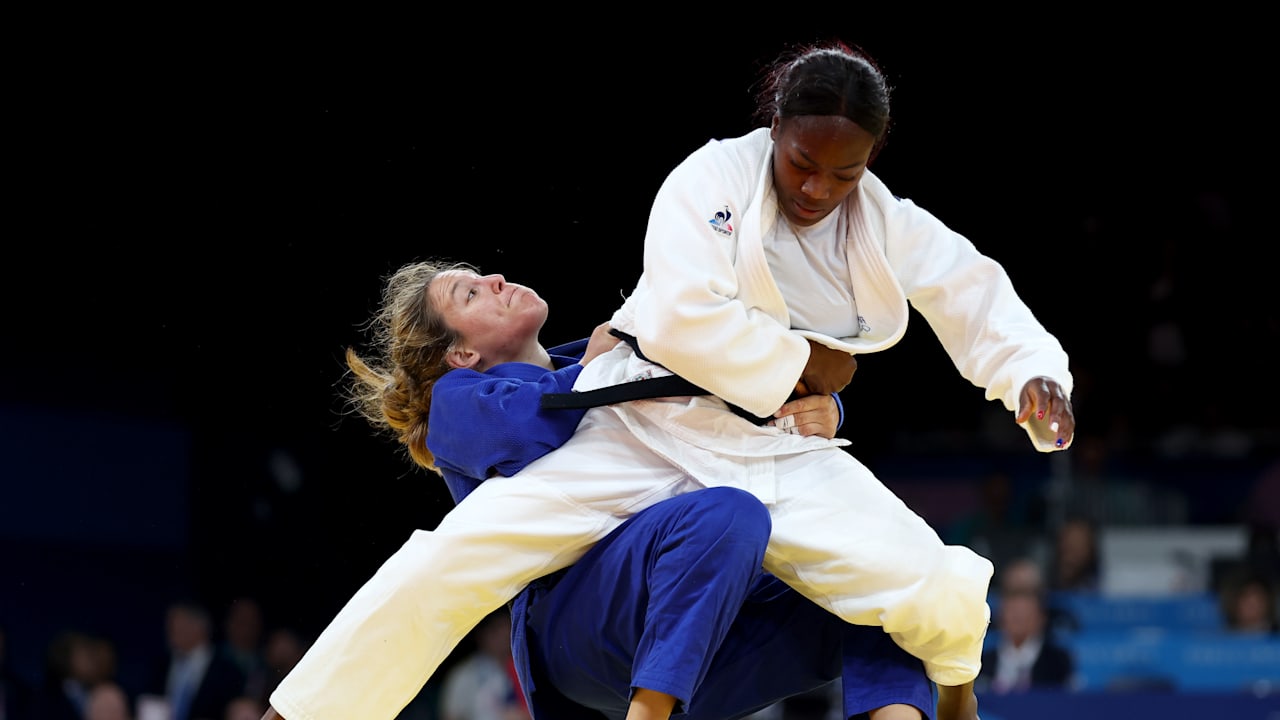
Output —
(492, 317)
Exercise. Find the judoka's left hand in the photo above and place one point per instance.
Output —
(808, 415)
(599, 343)
(1045, 400)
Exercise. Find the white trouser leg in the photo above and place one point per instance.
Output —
(846, 541)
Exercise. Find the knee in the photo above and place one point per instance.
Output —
(968, 568)
(963, 577)
(731, 509)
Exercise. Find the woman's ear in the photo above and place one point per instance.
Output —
(773, 129)
(461, 357)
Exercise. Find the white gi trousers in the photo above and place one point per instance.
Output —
(839, 536)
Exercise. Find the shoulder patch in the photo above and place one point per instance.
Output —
(720, 221)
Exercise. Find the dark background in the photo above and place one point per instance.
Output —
(203, 217)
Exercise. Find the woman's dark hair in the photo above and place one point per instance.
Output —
(830, 78)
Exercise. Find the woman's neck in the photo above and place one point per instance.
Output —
(533, 355)
(537, 355)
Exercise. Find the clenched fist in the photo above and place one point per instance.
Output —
(828, 371)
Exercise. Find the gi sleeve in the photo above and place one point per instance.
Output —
(483, 424)
(990, 334)
(692, 321)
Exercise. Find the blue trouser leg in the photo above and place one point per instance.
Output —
(649, 605)
(786, 645)
(876, 672)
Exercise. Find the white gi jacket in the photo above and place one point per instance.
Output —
(706, 306)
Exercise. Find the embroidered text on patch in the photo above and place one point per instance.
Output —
(720, 221)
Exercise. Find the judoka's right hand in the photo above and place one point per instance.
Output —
(599, 343)
(808, 415)
(828, 371)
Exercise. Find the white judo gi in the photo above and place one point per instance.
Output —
(707, 308)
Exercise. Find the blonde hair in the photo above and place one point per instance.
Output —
(391, 385)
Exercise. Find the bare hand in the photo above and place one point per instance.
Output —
(600, 343)
(809, 415)
(1044, 399)
(828, 370)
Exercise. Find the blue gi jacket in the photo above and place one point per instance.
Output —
(504, 430)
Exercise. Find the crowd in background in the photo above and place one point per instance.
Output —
(209, 667)
(223, 666)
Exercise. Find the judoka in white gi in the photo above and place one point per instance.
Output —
(765, 255)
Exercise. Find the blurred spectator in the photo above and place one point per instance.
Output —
(283, 649)
(245, 708)
(1260, 561)
(483, 686)
(1249, 605)
(1027, 656)
(17, 696)
(242, 631)
(107, 701)
(1024, 574)
(999, 529)
(100, 661)
(61, 695)
(75, 663)
(1075, 566)
(196, 677)
(1021, 574)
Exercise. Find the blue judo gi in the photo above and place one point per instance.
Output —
(674, 599)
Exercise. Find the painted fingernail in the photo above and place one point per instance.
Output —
(1053, 426)
(1061, 442)
(1040, 415)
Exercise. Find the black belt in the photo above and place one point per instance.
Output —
(648, 388)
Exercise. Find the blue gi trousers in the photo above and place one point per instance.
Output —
(675, 600)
